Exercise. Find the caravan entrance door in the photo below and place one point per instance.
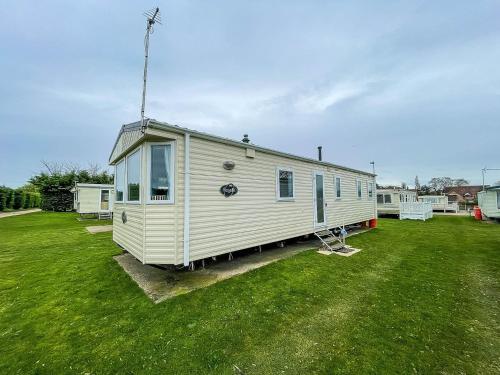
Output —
(319, 199)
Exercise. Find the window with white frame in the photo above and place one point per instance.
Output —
(285, 184)
(120, 181)
(370, 190)
(359, 188)
(134, 177)
(384, 198)
(338, 188)
(160, 173)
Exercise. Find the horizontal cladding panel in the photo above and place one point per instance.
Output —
(129, 235)
(159, 260)
(254, 216)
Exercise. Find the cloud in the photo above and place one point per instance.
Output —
(317, 101)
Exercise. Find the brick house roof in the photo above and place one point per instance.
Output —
(467, 191)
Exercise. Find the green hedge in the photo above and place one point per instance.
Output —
(15, 199)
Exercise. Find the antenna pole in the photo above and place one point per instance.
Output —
(150, 22)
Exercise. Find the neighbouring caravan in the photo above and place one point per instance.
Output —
(388, 200)
(403, 203)
(489, 202)
(93, 199)
(439, 203)
(183, 195)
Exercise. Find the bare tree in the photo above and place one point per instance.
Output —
(460, 182)
(437, 184)
(417, 184)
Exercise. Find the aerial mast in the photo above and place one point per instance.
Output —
(153, 16)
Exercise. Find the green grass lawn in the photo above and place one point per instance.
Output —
(420, 298)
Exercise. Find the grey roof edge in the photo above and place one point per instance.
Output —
(155, 124)
(494, 187)
(124, 128)
(89, 185)
(152, 123)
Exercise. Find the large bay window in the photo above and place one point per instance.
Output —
(134, 177)
(160, 177)
(120, 180)
(285, 184)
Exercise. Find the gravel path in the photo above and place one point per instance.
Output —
(16, 213)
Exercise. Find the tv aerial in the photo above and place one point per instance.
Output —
(153, 17)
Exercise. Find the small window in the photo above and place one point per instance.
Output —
(120, 180)
(387, 198)
(498, 199)
(358, 188)
(380, 198)
(134, 177)
(160, 173)
(370, 190)
(338, 190)
(285, 184)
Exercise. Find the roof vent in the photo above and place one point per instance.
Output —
(245, 139)
(320, 156)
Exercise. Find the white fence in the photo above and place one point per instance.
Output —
(415, 210)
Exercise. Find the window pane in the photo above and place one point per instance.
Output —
(104, 199)
(337, 187)
(380, 198)
(358, 184)
(370, 189)
(160, 172)
(388, 198)
(120, 180)
(133, 176)
(286, 184)
(498, 199)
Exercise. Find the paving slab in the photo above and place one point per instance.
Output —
(99, 229)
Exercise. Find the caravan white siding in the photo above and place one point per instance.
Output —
(489, 202)
(88, 198)
(254, 215)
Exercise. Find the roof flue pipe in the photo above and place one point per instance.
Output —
(320, 156)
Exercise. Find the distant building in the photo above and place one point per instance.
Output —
(463, 194)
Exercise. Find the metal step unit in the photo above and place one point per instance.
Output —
(329, 240)
(105, 215)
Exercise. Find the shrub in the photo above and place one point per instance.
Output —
(19, 199)
(27, 200)
(10, 198)
(3, 197)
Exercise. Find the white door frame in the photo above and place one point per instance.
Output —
(315, 210)
(109, 200)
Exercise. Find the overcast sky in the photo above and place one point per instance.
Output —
(413, 85)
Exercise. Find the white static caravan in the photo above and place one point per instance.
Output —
(93, 199)
(489, 202)
(439, 203)
(388, 200)
(402, 202)
(183, 195)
